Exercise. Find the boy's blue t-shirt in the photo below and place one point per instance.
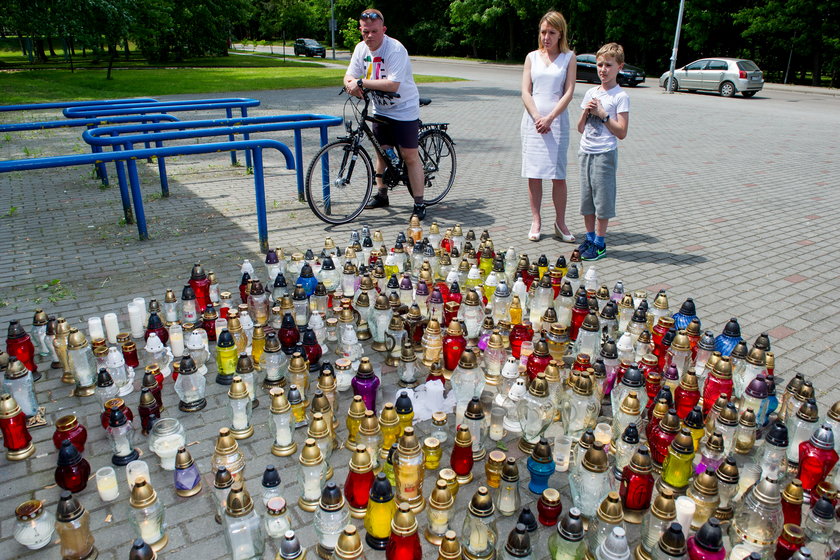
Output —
(597, 138)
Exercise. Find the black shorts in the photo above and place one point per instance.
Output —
(390, 132)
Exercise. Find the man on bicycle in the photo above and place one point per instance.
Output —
(380, 63)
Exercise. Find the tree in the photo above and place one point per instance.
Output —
(808, 28)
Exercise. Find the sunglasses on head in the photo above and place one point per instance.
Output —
(369, 15)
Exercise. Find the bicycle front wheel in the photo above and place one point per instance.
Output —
(437, 153)
(338, 182)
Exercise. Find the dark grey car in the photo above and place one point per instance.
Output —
(587, 71)
(309, 47)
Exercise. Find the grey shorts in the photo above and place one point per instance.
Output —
(597, 183)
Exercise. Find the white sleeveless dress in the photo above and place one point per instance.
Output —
(544, 155)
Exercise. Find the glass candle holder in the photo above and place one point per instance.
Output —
(135, 470)
(562, 452)
(497, 427)
(685, 512)
(34, 525)
(166, 437)
(106, 484)
(432, 452)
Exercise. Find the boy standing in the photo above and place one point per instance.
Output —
(603, 122)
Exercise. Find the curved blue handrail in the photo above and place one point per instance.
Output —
(66, 104)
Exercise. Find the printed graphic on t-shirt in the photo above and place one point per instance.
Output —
(376, 71)
(595, 127)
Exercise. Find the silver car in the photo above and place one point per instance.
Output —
(725, 75)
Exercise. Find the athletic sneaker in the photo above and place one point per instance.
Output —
(420, 211)
(593, 252)
(582, 247)
(378, 201)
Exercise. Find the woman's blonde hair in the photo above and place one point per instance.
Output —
(557, 21)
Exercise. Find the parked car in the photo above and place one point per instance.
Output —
(309, 47)
(725, 75)
(587, 71)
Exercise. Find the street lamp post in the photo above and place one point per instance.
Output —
(676, 46)
(332, 26)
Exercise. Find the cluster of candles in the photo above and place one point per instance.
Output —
(696, 443)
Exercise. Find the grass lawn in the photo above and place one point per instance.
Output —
(39, 86)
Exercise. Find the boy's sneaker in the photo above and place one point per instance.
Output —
(378, 201)
(419, 211)
(586, 243)
(593, 252)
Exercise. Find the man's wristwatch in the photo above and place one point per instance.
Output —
(360, 82)
(605, 119)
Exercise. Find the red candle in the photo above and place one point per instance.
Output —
(718, 382)
(201, 286)
(637, 482)
(68, 427)
(549, 507)
(816, 458)
(537, 363)
(129, 350)
(579, 313)
(792, 539)
(288, 334)
(454, 345)
(461, 459)
(73, 470)
(519, 334)
(118, 404)
(685, 398)
(19, 344)
(358, 483)
(404, 543)
(16, 436)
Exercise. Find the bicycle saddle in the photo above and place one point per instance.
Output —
(424, 101)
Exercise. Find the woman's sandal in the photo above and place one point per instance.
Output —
(532, 236)
(570, 238)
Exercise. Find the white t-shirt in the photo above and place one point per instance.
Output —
(389, 62)
(596, 137)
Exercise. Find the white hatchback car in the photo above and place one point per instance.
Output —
(725, 75)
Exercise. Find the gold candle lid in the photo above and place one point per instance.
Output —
(318, 428)
(481, 505)
(389, 416)
(510, 472)
(225, 444)
(723, 368)
(404, 523)
(76, 340)
(310, 455)
(793, 493)
(238, 390)
(450, 548)
(369, 425)
(297, 365)
(463, 437)
(183, 459)
(550, 497)
(142, 494)
(239, 502)
(441, 497)
(279, 402)
(431, 444)
(610, 510)
(349, 545)
(357, 408)
(664, 507)
(595, 459)
(438, 418)
(496, 458)
(408, 444)
(630, 405)
(681, 342)
(360, 462)
(706, 483)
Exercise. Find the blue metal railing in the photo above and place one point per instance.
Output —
(131, 157)
(126, 136)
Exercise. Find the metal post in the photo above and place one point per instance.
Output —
(332, 25)
(676, 46)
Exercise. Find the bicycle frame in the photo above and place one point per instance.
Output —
(391, 176)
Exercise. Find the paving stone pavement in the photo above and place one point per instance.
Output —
(733, 202)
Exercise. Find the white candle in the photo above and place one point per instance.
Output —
(241, 545)
(135, 470)
(106, 484)
(283, 435)
(438, 521)
(141, 303)
(95, 328)
(685, 512)
(150, 532)
(478, 540)
(135, 318)
(220, 325)
(166, 448)
(311, 488)
(496, 432)
(176, 340)
(122, 446)
(240, 420)
(112, 327)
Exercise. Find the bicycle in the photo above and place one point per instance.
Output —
(340, 177)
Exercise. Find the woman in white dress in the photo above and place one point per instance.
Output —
(548, 83)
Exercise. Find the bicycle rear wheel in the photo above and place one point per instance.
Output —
(437, 153)
(338, 182)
